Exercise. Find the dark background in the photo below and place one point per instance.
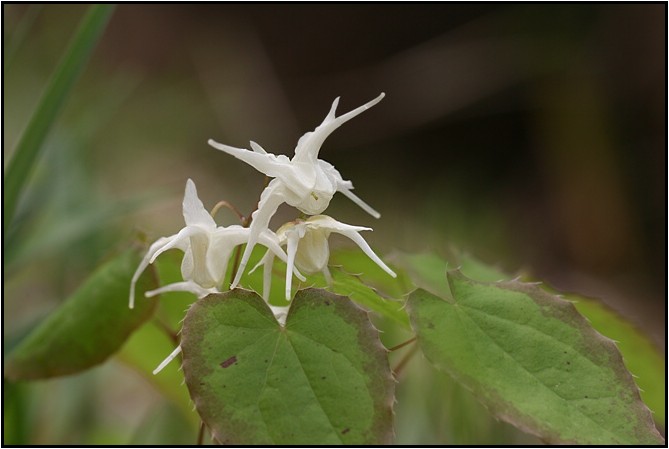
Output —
(530, 135)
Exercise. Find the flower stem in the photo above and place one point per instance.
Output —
(401, 345)
(235, 265)
(246, 222)
(227, 205)
(404, 361)
(200, 435)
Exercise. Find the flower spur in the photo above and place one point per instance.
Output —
(207, 249)
(308, 249)
(305, 181)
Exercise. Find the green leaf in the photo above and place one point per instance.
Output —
(533, 361)
(351, 285)
(642, 358)
(356, 286)
(354, 261)
(323, 379)
(88, 327)
(475, 269)
(15, 414)
(434, 409)
(426, 271)
(60, 85)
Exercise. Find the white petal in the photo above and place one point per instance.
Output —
(333, 109)
(257, 148)
(356, 199)
(346, 187)
(280, 313)
(273, 245)
(327, 275)
(301, 179)
(314, 251)
(185, 286)
(357, 111)
(353, 234)
(310, 144)
(223, 242)
(199, 247)
(267, 278)
(262, 261)
(193, 209)
(169, 358)
(266, 261)
(266, 163)
(180, 241)
(293, 239)
(155, 247)
(270, 200)
(329, 224)
(187, 264)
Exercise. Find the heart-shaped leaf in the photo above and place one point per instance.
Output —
(88, 327)
(533, 361)
(322, 379)
(642, 358)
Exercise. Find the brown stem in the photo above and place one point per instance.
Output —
(235, 265)
(404, 361)
(246, 222)
(200, 435)
(227, 205)
(401, 345)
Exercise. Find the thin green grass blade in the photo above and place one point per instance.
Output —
(54, 97)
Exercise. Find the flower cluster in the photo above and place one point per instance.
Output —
(304, 182)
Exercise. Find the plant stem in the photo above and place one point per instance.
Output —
(404, 361)
(401, 345)
(227, 205)
(235, 265)
(200, 435)
(246, 222)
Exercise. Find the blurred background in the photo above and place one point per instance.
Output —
(531, 136)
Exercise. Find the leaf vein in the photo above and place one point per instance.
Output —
(314, 392)
(537, 378)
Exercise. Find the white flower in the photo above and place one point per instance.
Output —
(207, 249)
(308, 249)
(305, 181)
